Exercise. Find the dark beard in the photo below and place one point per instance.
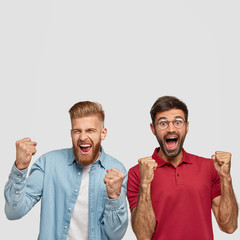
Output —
(171, 154)
(174, 153)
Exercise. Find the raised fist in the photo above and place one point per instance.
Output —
(25, 149)
(222, 162)
(113, 180)
(147, 167)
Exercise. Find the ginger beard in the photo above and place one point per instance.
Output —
(87, 152)
(171, 144)
(87, 133)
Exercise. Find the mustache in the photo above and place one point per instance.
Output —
(171, 134)
(84, 142)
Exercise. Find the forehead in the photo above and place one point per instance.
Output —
(170, 114)
(92, 121)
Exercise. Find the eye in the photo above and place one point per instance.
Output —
(91, 130)
(162, 123)
(178, 122)
(75, 131)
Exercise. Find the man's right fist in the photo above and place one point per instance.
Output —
(147, 167)
(25, 149)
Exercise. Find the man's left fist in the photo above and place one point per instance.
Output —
(222, 163)
(113, 180)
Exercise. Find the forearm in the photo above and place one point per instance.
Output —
(115, 219)
(228, 208)
(143, 217)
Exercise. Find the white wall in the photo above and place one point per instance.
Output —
(123, 54)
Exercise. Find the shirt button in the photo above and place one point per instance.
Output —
(69, 209)
(178, 175)
(75, 190)
(17, 192)
(65, 226)
(79, 173)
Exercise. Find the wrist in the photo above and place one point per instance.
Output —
(145, 186)
(20, 166)
(114, 196)
(225, 178)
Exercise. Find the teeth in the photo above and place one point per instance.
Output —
(85, 145)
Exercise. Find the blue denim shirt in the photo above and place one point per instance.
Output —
(56, 178)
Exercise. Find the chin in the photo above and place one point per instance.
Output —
(85, 161)
(173, 154)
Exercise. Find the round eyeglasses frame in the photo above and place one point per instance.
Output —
(164, 124)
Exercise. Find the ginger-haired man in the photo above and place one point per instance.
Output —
(82, 189)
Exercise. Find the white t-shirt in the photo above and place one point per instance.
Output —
(78, 229)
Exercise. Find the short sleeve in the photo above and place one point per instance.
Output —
(216, 184)
(133, 186)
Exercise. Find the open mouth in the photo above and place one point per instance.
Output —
(85, 148)
(171, 142)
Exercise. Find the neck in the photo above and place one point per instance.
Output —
(174, 160)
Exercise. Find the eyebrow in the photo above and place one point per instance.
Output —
(164, 118)
(87, 129)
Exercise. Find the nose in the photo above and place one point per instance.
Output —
(83, 136)
(171, 127)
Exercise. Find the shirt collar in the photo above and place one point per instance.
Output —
(161, 162)
(71, 158)
(101, 159)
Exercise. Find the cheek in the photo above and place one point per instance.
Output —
(95, 138)
(159, 136)
(74, 140)
(183, 133)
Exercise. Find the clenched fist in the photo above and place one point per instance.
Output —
(147, 167)
(25, 149)
(113, 180)
(222, 163)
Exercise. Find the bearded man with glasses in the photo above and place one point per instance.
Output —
(171, 194)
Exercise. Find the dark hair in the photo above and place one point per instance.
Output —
(166, 103)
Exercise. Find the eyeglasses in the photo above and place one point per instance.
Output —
(164, 124)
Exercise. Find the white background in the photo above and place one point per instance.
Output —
(123, 54)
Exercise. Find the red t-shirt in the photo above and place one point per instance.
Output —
(181, 197)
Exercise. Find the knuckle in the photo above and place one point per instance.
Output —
(110, 181)
(19, 144)
(28, 152)
(144, 159)
(24, 147)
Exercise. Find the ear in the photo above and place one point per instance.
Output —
(187, 126)
(153, 128)
(103, 133)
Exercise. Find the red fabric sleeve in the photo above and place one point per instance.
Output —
(216, 184)
(133, 186)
